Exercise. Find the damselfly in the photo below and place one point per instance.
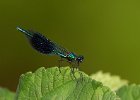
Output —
(46, 46)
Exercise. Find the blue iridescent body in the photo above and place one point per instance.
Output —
(46, 46)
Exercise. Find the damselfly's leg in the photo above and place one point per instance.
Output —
(78, 67)
(72, 70)
(59, 63)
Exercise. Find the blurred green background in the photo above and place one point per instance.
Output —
(106, 32)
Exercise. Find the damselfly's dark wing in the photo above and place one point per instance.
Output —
(42, 44)
(38, 41)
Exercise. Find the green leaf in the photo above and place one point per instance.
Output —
(50, 84)
(5, 94)
(131, 92)
(114, 82)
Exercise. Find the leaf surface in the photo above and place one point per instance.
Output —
(131, 92)
(5, 94)
(50, 84)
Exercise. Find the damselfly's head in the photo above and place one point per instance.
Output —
(80, 59)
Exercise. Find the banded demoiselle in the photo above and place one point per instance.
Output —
(48, 47)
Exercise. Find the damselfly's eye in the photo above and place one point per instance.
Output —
(80, 58)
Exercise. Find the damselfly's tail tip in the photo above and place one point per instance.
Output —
(18, 28)
(26, 32)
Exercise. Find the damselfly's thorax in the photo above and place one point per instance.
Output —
(71, 57)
